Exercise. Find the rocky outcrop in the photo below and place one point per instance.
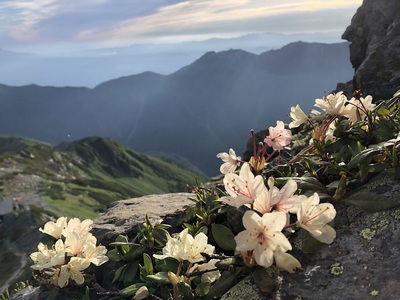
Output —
(362, 261)
(374, 34)
(123, 217)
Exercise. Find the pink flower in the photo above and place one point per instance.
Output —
(278, 137)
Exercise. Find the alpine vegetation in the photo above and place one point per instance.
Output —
(254, 220)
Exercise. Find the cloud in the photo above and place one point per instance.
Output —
(197, 19)
(131, 21)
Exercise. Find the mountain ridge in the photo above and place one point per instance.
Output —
(92, 173)
(198, 111)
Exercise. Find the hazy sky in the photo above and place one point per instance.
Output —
(48, 24)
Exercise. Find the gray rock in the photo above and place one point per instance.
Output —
(361, 263)
(124, 216)
(28, 293)
(374, 34)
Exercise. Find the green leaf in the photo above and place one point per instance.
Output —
(167, 264)
(202, 289)
(264, 280)
(383, 130)
(148, 264)
(341, 188)
(130, 272)
(122, 244)
(160, 278)
(86, 295)
(185, 290)
(119, 273)
(303, 183)
(160, 235)
(223, 284)
(364, 157)
(134, 252)
(371, 202)
(382, 111)
(224, 237)
(203, 229)
(378, 167)
(309, 243)
(113, 255)
(131, 290)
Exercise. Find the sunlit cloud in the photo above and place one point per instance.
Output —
(135, 21)
(206, 18)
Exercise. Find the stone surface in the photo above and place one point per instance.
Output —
(363, 261)
(28, 293)
(123, 217)
(374, 34)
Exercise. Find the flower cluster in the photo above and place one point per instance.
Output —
(334, 105)
(263, 241)
(184, 247)
(74, 250)
(276, 200)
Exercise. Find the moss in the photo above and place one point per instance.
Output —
(244, 289)
(336, 269)
(374, 293)
(367, 233)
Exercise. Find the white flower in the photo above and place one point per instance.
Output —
(55, 228)
(356, 108)
(198, 245)
(286, 261)
(48, 258)
(231, 161)
(175, 247)
(285, 200)
(78, 226)
(96, 255)
(276, 199)
(278, 137)
(298, 116)
(333, 104)
(329, 135)
(73, 270)
(42, 257)
(262, 235)
(242, 188)
(210, 276)
(185, 247)
(314, 217)
(75, 244)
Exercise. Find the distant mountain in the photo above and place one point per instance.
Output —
(196, 112)
(82, 177)
(90, 67)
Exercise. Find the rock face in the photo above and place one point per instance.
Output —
(362, 261)
(374, 34)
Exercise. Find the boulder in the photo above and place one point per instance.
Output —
(124, 216)
(374, 34)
